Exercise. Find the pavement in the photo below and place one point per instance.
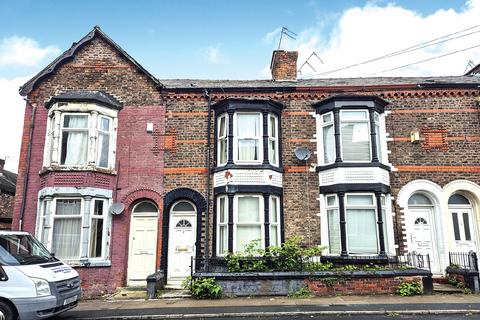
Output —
(258, 307)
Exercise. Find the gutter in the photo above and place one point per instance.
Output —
(27, 165)
(207, 209)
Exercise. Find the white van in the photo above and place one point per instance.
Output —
(33, 283)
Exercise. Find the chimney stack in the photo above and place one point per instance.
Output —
(284, 65)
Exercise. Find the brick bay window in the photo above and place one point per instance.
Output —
(75, 227)
(243, 218)
(81, 131)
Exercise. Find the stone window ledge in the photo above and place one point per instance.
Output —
(88, 263)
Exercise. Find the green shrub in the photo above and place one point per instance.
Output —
(302, 293)
(410, 289)
(203, 288)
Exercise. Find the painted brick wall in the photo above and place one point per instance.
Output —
(139, 155)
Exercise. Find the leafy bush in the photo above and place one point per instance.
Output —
(410, 289)
(302, 293)
(203, 288)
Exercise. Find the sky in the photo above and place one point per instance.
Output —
(234, 40)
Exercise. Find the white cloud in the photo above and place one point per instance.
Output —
(214, 55)
(23, 51)
(12, 109)
(363, 33)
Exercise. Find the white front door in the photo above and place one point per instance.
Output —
(463, 230)
(181, 246)
(421, 234)
(143, 247)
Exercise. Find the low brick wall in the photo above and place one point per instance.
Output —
(320, 283)
(470, 278)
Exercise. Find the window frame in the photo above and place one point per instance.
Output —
(104, 217)
(276, 224)
(368, 207)
(62, 129)
(336, 207)
(324, 124)
(237, 137)
(110, 134)
(221, 137)
(261, 221)
(273, 139)
(222, 224)
(367, 121)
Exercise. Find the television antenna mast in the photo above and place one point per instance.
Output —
(469, 66)
(307, 62)
(285, 31)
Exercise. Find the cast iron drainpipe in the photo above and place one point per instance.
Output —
(27, 164)
(207, 209)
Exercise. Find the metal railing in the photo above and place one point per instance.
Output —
(463, 260)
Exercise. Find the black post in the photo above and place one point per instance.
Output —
(230, 222)
(343, 222)
(381, 236)
(373, 135)
(266, 216)
(336, 125)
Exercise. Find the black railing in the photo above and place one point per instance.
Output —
(463, 260)
(316, 263)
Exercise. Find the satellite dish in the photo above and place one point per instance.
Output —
(117, 208)
(302, 153)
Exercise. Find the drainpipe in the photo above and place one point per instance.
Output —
(207, 220)
(27, 164)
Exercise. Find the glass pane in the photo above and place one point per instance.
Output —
(379, 142)
(273, 127)
(222, 127)
(222, 151)
(327, 117)
(75, 121)
(245, 234)
(456, 227)
(458, 199)
(74, 148)
(361, 231)
(221, 210)
(333, 231)
(273, 210)
(96, 234)
(466, 225)
(331, 201)
(355, 141)
(419, 199)
(183, 206)
(272, 152)
(222, 240)
(274, 236)
(98, 208)
(103, 149)
(328, 144)
(247, 150)
(359, 200)
(66, 238)
(183, 224)
(248, 125)
(104, 124)
(68, 207)
(385, 230)
(145, 206)
(248, 209)
(354, 115)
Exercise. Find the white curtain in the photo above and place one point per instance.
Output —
(103, 148)
(248, 125)
(222, 239)
(328, 144)
(222, 150)
(274, 235)
(355, 141)
(75, 142)
(66, 237)
(245, 234)
(247, 149)
(248, 212)
(248, 209)
(333, 231)
(361, 231)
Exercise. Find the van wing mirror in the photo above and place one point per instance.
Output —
(3, 274)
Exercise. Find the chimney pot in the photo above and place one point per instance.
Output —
(284, 65)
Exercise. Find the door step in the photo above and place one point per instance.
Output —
(446, 288)
(129, 293)
(175, 294)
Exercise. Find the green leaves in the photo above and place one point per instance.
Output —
(410, 289)
(203, 288)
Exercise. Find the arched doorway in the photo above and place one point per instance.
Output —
(421, 235)
(182, 238)
(142, 243)
(463, 223)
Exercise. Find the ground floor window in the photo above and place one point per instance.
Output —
(359, 221)
(253, 217)
(75, 228)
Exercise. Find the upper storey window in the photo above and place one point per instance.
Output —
(81, 131)
(351, 129)
(248, 132)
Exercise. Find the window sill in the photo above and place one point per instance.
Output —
(56, 168)
(353, 165)
(259, 166)
(88, 263)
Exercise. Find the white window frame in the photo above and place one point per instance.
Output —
(237, 137)
(222, 224)
(63, 129)
(221, 137)
(378, 136)
(273, 139)
(369, 207)
(260, 222)
(110, 135)
(367, 120)
(104, 217)
(332, 207)
(323, 147)
(277, 224)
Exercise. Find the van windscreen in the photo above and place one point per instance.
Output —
(22, 249)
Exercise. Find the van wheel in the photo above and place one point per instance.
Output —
(6, 311)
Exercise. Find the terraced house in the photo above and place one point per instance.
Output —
(126, 174)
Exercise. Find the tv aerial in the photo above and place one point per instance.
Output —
(307, 62)
(285, 31)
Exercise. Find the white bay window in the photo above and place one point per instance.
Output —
(74, 139)
(355, 134)
(248, 223)
(248, 137)
(361, 224)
